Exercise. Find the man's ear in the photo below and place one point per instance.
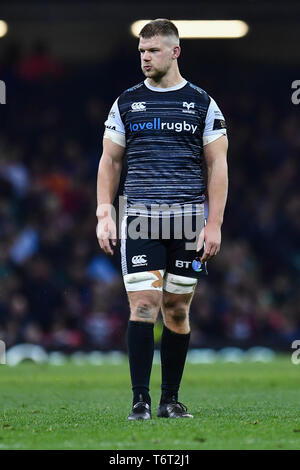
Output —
(176, 52)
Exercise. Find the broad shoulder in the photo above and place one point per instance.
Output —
(198, 92)
(133, 89)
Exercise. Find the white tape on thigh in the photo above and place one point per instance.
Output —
(146, 280)
(179, 284)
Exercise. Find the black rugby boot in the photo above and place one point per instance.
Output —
(140, 410)
(173, 409)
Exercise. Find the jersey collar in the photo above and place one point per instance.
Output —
(170, 88)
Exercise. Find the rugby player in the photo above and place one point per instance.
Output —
(168, 129)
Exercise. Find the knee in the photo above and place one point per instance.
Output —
(176, 316)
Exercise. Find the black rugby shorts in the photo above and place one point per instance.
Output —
(152, 243)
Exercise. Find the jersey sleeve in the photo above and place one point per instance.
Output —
(215, 125)
(114, 127)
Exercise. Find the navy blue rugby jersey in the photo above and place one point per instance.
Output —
(164, 131)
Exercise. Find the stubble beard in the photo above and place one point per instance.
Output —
(155, 74)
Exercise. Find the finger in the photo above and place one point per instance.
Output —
(101, 243)
(99, 239)
(207, 253)
(111, 246)
(113, 236)
(106, 247)
(210, 252)
(200, 240)
(205, 257)
(215, 251)
(103, 238)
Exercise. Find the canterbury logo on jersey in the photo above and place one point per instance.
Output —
(139, 106)
(139, 260)
(156, 124)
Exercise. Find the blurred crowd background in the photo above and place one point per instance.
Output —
(57, 288)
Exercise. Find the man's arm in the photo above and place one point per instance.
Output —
(109, 171)
(215, 154)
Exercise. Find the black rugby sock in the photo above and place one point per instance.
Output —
(140, 343)
(173, 351)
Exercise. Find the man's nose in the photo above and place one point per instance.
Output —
(146, 56)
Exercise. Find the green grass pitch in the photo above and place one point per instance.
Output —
(235, 406)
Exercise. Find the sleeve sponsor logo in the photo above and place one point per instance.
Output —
(217, 112)
(219, 124)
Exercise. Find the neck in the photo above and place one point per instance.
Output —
(172, 78)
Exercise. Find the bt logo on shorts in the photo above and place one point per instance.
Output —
(196, 264)
(139, 260)
(139, 106)
(182, 264)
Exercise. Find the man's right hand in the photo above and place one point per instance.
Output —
(107, 234)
